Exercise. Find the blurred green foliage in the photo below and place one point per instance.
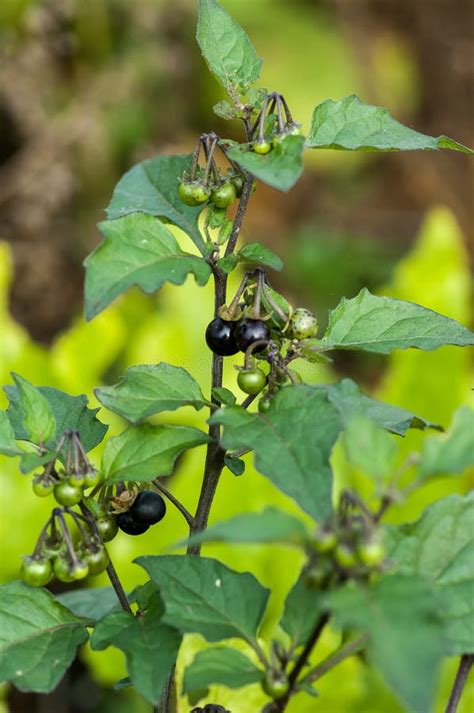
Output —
(170, 328)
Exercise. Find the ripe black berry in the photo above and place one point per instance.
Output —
(148, 508)
(128, 525)
(220, 337)
(249, 331)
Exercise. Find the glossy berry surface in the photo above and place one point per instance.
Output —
(42, 488)
(252, 381)
(128, 525)
(67, 494)
(193, 193)
(62, 570)
(97, 561)
(107, 527)
(275, 687)
(79, 570)
(92, 479)
(224, 195)
(262, 147)
(303, 324)
(264, 405)
(36, 572)
(220, 337)
(249, 331)
(148, 508)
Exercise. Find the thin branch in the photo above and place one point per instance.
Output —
(465, 664)
(117, 585)
(184, 511)
(333, 660)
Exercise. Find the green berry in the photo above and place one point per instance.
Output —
(224, 195)
(324, 540)
(67, 494)
(36, 571)
(371, 553)
(193, 193)
(42, 487)
(262, 147)
(345, 556)
(79, 570)
(303, 325)
(97, 560)
(62, 569)
(275, 687)
(252, 381)
(107, 527)
(264, 404)
(93, 478)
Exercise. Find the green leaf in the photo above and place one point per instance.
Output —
(225, 46)
(32, 461)
(70, 413)
(151, 187)
(351, 402)
(227, 111)
(145, 452)
(228, 263)
(280, 168)
(292, 443)
(369, 447)
(452, 452)
(303, 606)
(234, 464)
(260, 255)
(93, 603)
(352, 125)
(38, 418)
(380, 324)
(150, 647)
(149, 389)
(38, 638)
(222, 665)
(270, 525)
(440, 547)
(8, 445)
(224, 395)
(405, 635)
(138, 250)
(203, 596)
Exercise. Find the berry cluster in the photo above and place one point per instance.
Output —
(269, 335)
(273, 124)
(147, 509)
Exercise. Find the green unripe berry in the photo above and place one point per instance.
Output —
(224, 195)
(93, 478)
(77, 479)
(371, 553)
(67, 494)
(323, 541)
(252, 381)
(193, 193)
(36, 571)
(62, 569)
(275, 687)
(345, 556)
(79, 570)
(303, 325)
(97, 561)
(107, 527)
(262, 147)
(42, 487)
(264, 404)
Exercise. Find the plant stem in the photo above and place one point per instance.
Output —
(465, 664)
(117, 585)
(334, 659)
(301, 662)
(178, 505)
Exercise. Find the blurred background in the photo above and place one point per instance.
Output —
(90, 87)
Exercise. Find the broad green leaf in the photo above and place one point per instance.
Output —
(270, 525)
(8, 445)
(225, 46)
(369, 447)
(149, 389)
(399, 613)
(260, 255)
(203, 596)
(380, 324)
(138, 249)
(352, 125)
(351, 402)
(235, 465)
(225, 396)
(70, 412)
(280, 168)
(38, 637)
(440, 547)
(150, 647)
(38, 418)
(32, 461)
(151, 187)
(145, 452)
(303, 607)
(92, 603)
(292, 443)
(227, 111)
(222, 665)
(452, 452)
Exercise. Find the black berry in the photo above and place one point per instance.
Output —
(148, 508)
(220, 337)
(128, 525)
(249, 331)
